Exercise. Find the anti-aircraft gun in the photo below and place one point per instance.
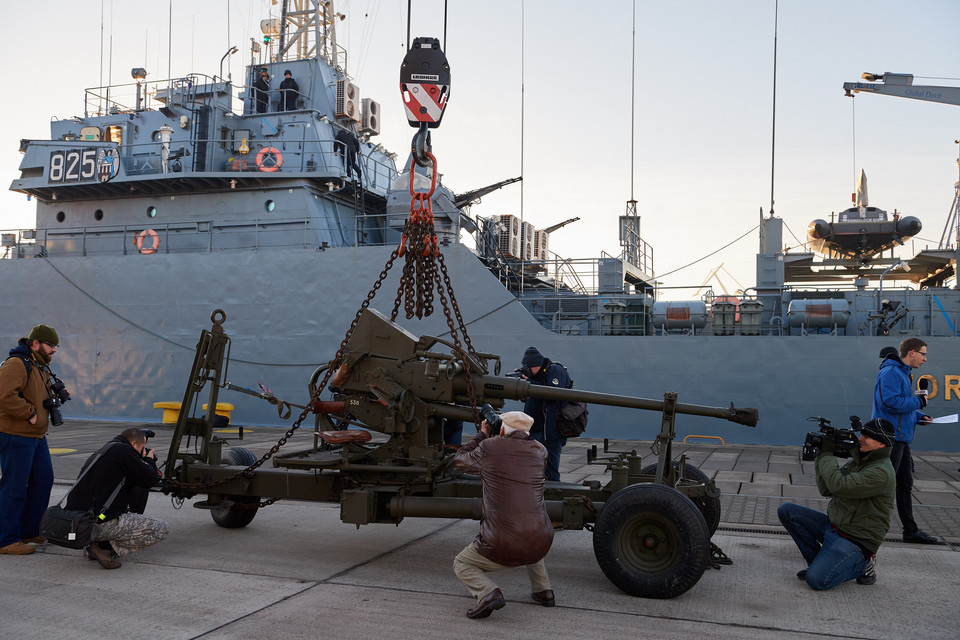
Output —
(651, 525)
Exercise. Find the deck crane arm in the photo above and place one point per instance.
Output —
(900, 85)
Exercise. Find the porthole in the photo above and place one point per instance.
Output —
(269, 205)
(98, 214)
(61, 216)
(151, 212)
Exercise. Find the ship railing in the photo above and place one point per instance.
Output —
(207, 236)
(321, 158)
(187, 92)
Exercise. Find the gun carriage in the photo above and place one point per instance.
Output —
(651, 525)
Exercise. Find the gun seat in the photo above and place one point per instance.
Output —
(345, 436)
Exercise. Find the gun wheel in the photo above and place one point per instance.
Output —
(709, 507)
(651, 541)
(236, 517)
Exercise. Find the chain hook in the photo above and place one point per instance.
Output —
(421, 146)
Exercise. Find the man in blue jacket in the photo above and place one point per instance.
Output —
(894, 400)
(540, 370)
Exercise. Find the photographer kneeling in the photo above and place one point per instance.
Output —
(841, 544)
(124, 459)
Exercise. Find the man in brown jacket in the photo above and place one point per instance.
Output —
(25, 465)
(515, 529)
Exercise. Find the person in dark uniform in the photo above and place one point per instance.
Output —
(289, 89)
(346, 143)
(261, 91)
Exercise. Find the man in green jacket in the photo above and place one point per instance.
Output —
(841, 544)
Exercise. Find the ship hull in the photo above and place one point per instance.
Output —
(128, 327)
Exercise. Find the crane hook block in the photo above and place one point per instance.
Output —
(425, 82)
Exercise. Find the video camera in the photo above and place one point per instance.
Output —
(844, 440)
(58, 395)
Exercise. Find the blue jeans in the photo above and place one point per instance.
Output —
(554, 447)
(24, 486)
(830, 557)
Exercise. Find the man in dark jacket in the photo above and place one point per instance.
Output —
(26, 471)
(261, 91)
(346, 143)
(124, 459)
(894, 400)
(841, 544)
(515, 529)
(289, 90)
(544, 412)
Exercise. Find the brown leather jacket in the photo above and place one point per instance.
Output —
(20, 398)
(515, 529)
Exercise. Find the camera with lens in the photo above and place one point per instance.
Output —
(492, 417)
(58, 395)
(522, 372)
(844, 440)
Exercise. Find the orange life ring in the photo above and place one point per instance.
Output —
(277, 159)
(139, 241)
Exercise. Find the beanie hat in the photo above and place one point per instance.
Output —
(287, 73)
(43, 333)
(880, 430)
(886, 352)
(532, 357)
(517, 421)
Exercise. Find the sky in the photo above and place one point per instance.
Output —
(542, 88)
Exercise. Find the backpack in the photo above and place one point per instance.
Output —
(26, 363)
(572, 417)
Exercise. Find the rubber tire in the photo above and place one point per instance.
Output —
(709, 507)
(236, 517)
(678, 542)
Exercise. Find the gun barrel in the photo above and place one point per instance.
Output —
(518, 389)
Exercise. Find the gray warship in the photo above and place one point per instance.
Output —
(170, 198)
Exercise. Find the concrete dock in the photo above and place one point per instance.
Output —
(297, 572)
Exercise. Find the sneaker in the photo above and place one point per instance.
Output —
(920, 537)
(802, 574)
(17, 549)
(870, 573)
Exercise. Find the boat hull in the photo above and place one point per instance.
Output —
(129, 325)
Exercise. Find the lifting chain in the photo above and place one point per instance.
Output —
(425, 269)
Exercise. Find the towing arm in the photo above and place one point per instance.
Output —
(900, 85)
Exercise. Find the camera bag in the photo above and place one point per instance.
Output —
(572, 419)
(74, 529)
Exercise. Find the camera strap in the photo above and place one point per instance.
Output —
(100, 516)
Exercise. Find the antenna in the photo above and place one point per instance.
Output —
(773, 132)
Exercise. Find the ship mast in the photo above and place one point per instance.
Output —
(303, 25)
(630, 221)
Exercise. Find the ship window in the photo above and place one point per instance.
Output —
(151, 212)
(98, 214)
(61, 216)
(114, 133)
(269, 205)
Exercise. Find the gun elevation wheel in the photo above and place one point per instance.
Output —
(235, 517)
(709, 507)
(651, 541)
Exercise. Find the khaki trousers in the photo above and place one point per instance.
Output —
(472, 569)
